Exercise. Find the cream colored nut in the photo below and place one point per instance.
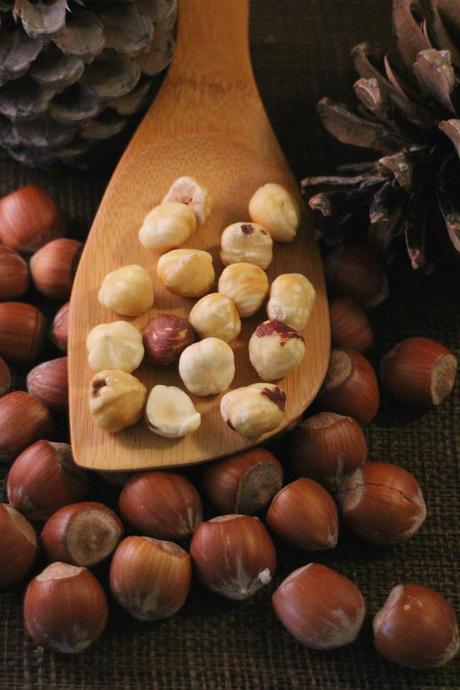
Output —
(247, 242)
(127, 291)
(116, 399)
(216, 316)
(197, 198)
(170, 412)
(254, 410)
(186, 272)
(167, 226)
(207, 367)
(275, 350)
(292, 297)
(246, 285)
(276, 210)
(116, 345)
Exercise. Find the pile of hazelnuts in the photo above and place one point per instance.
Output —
(158, 535)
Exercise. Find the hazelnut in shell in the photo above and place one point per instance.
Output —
(49, 383)
(185, 190)
(65, 608)
(127, 290)
(186, 272)
(150, 578)
(275, 350)
(382, 503)
(215, 316)
(14, 274)
(53, 267)
(254, 410)
(18, 546)
(5, 377)
(320, 607)
(246, 285)
(292, 297)
(276, 210)
(22, 332)
(350, 327)
(60, 327)
(207, 367)
(357, 271)
(116, 399)
(243, 483)
(23, 420)
(115, 345)
(248, 242)
(233, 555)
(165, 337)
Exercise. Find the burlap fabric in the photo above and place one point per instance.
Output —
(300, 50)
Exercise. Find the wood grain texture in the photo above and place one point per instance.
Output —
(207, 122)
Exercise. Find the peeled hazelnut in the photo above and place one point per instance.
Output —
(350, 327)
(165, 337)
(171, 413)
(382, 503)
(357, 271)
(186, 191)
(127, 291)
(48, 382)
(216, 316)
(18, 546)
(233, 555)
(326, 447)
(14, 274)
(419, 371)
(167, 226)
(44, 478)
(416, 627)
(350, 387)
(81, 533)
(23, 420)
(207, 367)
(65, 608)
(276, 210)
(161, 505)
(320, 607)
(5, 377)
(275, 350)
(253, 410)
(53, 267)
(60, 327)
(22, 332)
(247, 242)
(116, 399)
(246, 285)
(243, 483)
(304, 514)
(186, 272)
(116, 345)
(292, 297)
(150, 578)
(29, 218)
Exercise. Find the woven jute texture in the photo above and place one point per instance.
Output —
(301, 52)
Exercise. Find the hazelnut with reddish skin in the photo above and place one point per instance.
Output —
(53, 267)
(320, 607)
(275, 350)
(14, 274)
(23, 420)
(326, 447)
(416, 627)
(350, 327)
(357, 271)
(22, 332)
(165, 337)
(49, 383)
(419, 371)
(161, 505)
(350, 387)
(233, 555)
(382, 503)
(45, 478)
(243, 483)
(60, 327)
(5, 377)
(18, 546)
(304, 514)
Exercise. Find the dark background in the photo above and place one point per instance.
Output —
(301, 52)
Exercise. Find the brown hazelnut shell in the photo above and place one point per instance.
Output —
(23, 420)
(18, 546)
(350, 327)
(48, 382)
(22, 332)
(53, 267)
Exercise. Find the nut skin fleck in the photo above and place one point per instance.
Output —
(277, 396)
(247, 229)
(270, 327)
(96, 387)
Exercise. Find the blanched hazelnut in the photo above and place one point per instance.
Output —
(186, 272)
(247, 242)
(254, 410)
(127, 291)
(116, 345)
(275, 350)
(171, 413)
(216, 316)
(276, 210)
(292, 297)
(167, 226)
(116, 399)
(246, 285)
(207, 367)
(186, 191)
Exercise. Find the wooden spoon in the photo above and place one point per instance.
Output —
(207, 122)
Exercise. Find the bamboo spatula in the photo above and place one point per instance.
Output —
(207, 122)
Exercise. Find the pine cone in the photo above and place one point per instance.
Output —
(74, 72)
(409, 103)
